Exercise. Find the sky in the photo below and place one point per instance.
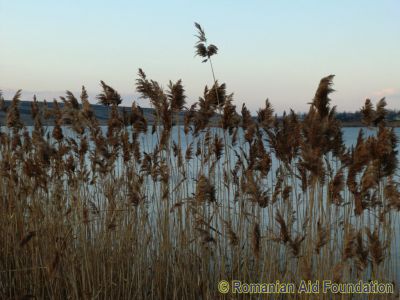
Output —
(267, 49)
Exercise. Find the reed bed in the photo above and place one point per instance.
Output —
(167, 210)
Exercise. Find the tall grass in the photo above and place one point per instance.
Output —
(166, 210)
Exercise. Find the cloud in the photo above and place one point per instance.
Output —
(387, 92)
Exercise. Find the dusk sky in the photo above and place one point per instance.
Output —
(267, 49)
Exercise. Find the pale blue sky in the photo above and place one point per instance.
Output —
(268, 49)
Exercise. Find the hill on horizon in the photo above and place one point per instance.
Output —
(102, 113)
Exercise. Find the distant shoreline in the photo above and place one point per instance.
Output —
(394, 124)
(101, 113)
